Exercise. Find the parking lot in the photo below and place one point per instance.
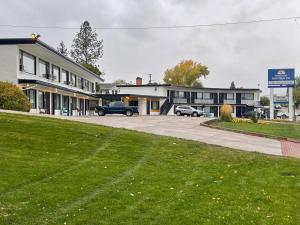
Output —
(187, 128)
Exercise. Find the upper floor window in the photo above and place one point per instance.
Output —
(92, 88)
(247, 96)
(43, 69)
(27, 62)
(64, 76)
(229, 96)
(179, 94)
(199, 95)
(72, 80)
(55, 73)
(86, 86)
(207, 95)
(80, 82)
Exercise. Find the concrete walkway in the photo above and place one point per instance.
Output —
(183, 127)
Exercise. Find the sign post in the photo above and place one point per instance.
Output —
(281, 78)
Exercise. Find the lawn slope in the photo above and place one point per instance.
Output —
(285, 130)
(62, 172)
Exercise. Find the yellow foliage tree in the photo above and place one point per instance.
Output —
(226, 111)
(186, 73)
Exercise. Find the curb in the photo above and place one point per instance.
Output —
(214, 121)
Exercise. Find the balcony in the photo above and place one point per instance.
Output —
(204, 101)
(180, 100)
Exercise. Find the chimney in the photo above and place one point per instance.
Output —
(138, 81)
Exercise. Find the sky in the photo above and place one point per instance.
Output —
(240, 53)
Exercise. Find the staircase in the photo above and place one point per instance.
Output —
(165, 108)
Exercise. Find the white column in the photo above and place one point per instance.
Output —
(291, 104)
(61, 103)
(37, 101)
(271, 103)
(50, 105)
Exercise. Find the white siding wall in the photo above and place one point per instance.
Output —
(9, 61)
(151, 91)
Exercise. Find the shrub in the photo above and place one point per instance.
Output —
(254, 117)
(226, 111)
(13, 98)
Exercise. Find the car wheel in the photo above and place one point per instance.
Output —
(195, 114)
(283, 117)
(101, 112)
(128, 113)
(178, 113)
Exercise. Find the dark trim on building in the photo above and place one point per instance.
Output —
(16, 41)
(144, 85)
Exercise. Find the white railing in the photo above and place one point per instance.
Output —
(180, 100)
(204, 101)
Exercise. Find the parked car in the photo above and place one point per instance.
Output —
(249, 114)
(282, 115)
(188, 110)
(116, 108)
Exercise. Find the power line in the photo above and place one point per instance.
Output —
(158, 27)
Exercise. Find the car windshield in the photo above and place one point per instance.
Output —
(116, 104)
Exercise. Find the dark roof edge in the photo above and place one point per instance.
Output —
(15, 41)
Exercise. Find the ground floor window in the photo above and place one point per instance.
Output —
(154, 105)
(56, 101)
(74, 103)
(31, 94)
(65, 102)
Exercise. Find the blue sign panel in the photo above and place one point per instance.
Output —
(281, 78)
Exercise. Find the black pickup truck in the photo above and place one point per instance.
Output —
(116, 108)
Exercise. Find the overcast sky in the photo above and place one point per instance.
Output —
(240, 53)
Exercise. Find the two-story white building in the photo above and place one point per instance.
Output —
(54, 84)
(162, 99)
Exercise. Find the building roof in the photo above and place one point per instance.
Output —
(18, 41)
(186, 87)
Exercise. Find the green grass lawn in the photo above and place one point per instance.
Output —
(61, 172)
(288, 130)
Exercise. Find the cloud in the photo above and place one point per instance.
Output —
(240, 53)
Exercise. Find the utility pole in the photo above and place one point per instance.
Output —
(150, 78)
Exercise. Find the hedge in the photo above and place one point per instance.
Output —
(13, 98)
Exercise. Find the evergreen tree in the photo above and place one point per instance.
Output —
(86, 48)
(62, 49)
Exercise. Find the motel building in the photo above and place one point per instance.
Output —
(54, 84)
(162, 99)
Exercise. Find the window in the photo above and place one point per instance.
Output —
(64, 77)
(247, 96)
(27, 63)
(43, 69)
(74, 103)
(79, 82)
(31, 94)
(92, 89)
(199, 95)
(56, 101)
(72, 81)
(55, 73)
(207, 95)
(116, 104)
(230, 96)
(86, 85)
(179, 94)
(154, 105)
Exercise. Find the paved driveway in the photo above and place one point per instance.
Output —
(187, 128)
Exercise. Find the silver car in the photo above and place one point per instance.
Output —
(188, 110)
